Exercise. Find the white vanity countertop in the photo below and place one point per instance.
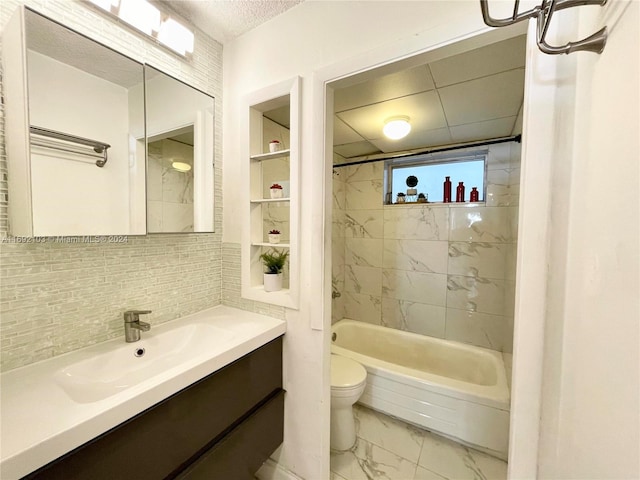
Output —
(41, 422)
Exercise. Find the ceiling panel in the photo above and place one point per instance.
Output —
(355, 149)
(472, 96)
(481, 62)
(342, 133)
(406, 82)
(487, 98)
(440, 136)
(423, 109)
(500, 127)
(338, 159)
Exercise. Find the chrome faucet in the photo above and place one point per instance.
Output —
(133, 325)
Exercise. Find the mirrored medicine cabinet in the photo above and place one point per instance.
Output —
(179, 155)
(81, 158)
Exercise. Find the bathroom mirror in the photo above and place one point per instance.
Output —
(180, 155)
(76, 153)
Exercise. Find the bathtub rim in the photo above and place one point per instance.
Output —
(495, 396)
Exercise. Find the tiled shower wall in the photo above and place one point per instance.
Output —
(441, 270)
(64, 294)
(169, 191)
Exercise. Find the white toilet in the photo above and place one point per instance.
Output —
(348, 379)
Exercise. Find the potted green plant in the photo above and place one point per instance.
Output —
(273, 261)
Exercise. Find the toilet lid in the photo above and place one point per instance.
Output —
(346, 372)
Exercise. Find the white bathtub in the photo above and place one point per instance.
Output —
(451, 388)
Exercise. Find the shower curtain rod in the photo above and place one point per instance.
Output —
(98, 147)
(515, 138)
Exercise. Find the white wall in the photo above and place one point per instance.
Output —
(71, 195)
(591, 360)
(300, 42)
(590, 425)
(172, 105)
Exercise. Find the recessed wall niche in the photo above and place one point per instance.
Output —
(271, 166)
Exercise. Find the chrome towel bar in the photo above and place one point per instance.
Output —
(98, 147)
(543, 14)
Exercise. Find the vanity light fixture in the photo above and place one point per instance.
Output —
(141, 15)
(176, 36)
(181, 166)
(396, 128)
(107, 5)
(148, 19)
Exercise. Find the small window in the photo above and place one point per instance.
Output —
(430, 172)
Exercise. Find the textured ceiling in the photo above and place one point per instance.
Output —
(224, 20)
(66, 46)
(475, 95)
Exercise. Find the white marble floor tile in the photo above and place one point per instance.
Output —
(367, 461)
(394, 435)
(335, 476)
(424, 474)
(386, 449)
(456, 462)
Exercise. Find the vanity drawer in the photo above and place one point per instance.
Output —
(241, 453)
(165, 439)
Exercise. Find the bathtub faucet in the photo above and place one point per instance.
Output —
(133, 325)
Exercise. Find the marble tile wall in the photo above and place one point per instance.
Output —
(441, 270)
(389, 449)
(66, 293)
(338, 247)
(169, 192)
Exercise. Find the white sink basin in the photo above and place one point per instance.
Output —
(51, 407)
(124, 366)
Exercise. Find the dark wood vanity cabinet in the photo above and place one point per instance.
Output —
(222, 427)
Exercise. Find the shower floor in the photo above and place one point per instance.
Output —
(389, 449)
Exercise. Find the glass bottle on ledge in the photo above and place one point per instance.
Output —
(473, 196)
(460, 192)
(446, 196)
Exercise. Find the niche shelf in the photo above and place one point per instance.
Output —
(271, 155)
(270, 200)
(274, 245)
(261, 168)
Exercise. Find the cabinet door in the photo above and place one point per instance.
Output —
(241, 453)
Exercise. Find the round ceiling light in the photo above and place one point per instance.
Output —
(181, 166)
(396, 128)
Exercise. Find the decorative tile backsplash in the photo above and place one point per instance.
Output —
(440, 270)
(66, 293)
(231, 285)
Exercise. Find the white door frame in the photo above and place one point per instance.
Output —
(533, 219)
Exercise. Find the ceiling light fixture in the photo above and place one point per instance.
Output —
(396, 128)
(181, 166)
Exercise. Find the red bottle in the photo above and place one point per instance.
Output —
(460, 192)
(473, 196)
(446, 196)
